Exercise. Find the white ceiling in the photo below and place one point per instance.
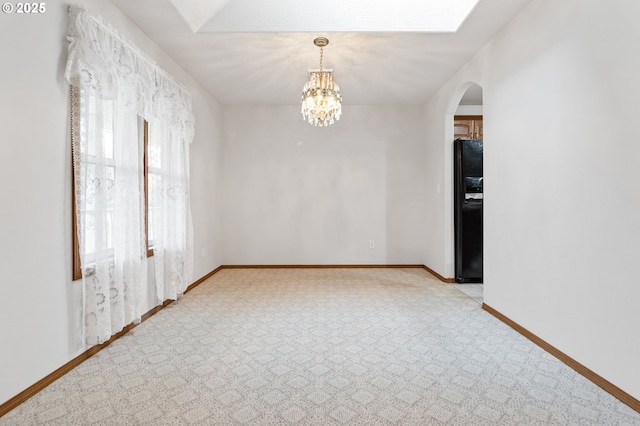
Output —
(239, 59)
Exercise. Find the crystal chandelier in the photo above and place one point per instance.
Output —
(321, 100)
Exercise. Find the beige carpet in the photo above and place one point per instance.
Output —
(323, 347)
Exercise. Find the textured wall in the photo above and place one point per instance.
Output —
(298, 194)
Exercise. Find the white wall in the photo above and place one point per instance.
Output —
(206, 183)
(40, 305)
(562, 200)
(299, 194)
(469, 110)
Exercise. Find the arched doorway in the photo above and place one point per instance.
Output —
(468, 189)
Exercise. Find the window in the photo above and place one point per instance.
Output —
(99, 174)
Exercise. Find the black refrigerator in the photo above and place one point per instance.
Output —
(468, 200)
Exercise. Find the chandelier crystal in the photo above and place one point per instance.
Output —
(321, 100)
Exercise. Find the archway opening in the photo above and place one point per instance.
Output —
(468, 191)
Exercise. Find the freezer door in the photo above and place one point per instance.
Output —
(468, 211)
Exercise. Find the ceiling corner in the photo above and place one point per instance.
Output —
(196, 13)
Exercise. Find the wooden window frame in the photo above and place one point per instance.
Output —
(145, 167)
(77, 270)
(75, 133)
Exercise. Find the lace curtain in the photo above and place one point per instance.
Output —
(108, 212)
(169, 196)
(116, 86)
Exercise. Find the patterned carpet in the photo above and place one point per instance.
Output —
(474, 291)
(323, 347)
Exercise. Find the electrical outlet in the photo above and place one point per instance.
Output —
(372, 244)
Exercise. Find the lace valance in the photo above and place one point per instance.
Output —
(102, 61)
